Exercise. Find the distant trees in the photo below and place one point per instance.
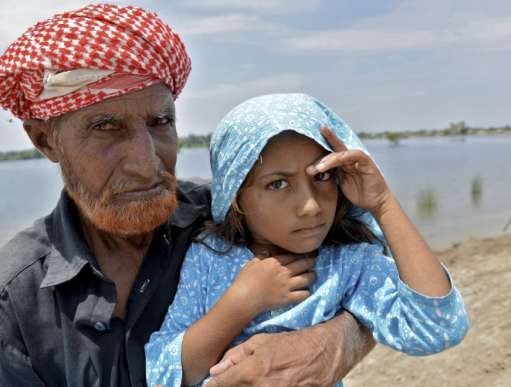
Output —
(454, 129)
(458, 128)
(21, 155)
(195, 141)
(394, 137)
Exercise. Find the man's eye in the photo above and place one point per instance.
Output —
(160, 121)
(323, 176)
(105, 126)
(277, 185)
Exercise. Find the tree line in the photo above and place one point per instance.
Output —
(202, 141)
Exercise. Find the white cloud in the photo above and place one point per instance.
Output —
(411, 26)
(224, 24)
(260, 5)
(200, 110)
(361, 40)
(250, 88)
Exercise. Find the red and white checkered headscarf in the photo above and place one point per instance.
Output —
(136, 47)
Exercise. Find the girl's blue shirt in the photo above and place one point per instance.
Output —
(356, 277)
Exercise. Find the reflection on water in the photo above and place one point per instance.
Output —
(452, 190)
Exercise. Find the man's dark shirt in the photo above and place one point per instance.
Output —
(56, 325)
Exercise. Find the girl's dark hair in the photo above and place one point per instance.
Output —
(345, 229)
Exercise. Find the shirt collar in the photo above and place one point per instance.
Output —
(70, 253)
(185, 214)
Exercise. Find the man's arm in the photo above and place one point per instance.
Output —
(317, 356)
(16, 369)
(15, 365)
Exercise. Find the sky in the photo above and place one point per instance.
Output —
(381, 64)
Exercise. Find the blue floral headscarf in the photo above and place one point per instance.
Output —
(242, 134)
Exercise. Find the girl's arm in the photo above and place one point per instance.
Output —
(190, 340)
(397, 315)
(261, 285)
(408, 301)
(163, 351)
(363, 185)
(417, 265)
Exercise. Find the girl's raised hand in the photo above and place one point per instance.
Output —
(360, 179)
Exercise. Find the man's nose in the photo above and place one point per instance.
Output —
(140, 158)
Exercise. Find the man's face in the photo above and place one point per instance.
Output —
(118, 160)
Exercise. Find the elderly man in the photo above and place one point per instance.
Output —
(83, 288)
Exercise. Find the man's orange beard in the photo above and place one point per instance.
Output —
(121, 218)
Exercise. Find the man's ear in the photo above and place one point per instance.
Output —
(41, 135)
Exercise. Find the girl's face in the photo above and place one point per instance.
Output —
(283, 205)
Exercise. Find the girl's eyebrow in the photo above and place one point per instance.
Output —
(278, 173)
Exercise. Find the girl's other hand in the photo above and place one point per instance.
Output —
(268, 283)
(360, 179)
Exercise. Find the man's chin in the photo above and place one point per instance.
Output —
(134, 218)
(128, 219)
(119, 217)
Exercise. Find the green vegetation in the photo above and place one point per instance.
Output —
(394, 137)
(21, 155)
(477, 190)
(454, 129)
(195, 141)
(427, 203)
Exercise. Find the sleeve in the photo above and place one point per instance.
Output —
(15, 365)
(163, 351)
(397, 315)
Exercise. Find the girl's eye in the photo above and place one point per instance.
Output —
(323, 176)
(277, 185)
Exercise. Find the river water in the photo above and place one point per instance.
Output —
(453, 189)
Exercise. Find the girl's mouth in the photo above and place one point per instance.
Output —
(309, 230)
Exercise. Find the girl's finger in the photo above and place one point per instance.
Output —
(334, 141)
(297, 296)
(300, 266)
(285, 260)
(303, 280)
(339, 159)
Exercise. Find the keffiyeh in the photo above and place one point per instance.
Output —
(124, 49)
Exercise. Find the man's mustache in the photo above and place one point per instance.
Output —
(165, 178)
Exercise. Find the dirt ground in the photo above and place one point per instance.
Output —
(482, 271)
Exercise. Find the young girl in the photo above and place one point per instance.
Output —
(293, 187)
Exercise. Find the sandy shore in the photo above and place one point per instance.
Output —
(482, 271)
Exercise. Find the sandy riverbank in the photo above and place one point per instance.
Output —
(482, 271)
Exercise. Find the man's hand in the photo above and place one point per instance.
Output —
(318, 356)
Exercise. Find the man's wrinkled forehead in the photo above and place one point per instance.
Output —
(154, 100)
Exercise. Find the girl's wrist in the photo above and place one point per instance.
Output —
(388, 204)
(241, 302)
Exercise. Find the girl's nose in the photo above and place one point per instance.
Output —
(309, 204)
